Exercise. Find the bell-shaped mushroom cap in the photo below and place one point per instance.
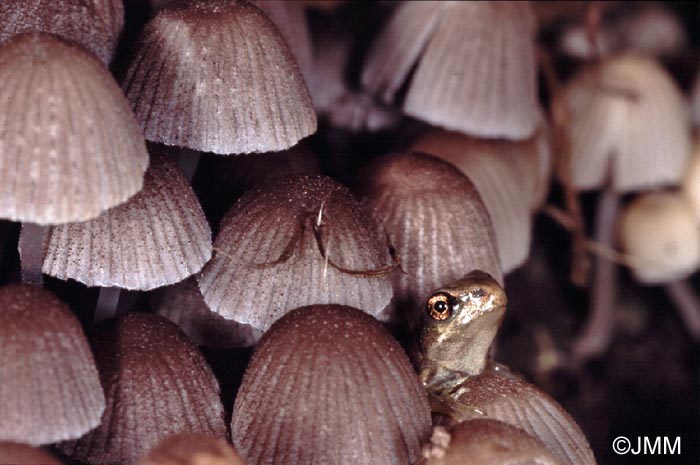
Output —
(69, 145)
(659, 232)
(192, 449)
(184, 305)
(49, 389)
(490, 165)
(479, 442)
(328, 384)
(217, 76)
(22, 454)
(628, 120)
(691, 182)
(436, 221)
(499, 394)
(269, 256)
(95, 25)
(475, 66)
(158, 237)
(157, 384)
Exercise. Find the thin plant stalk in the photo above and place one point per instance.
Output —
(687, 304)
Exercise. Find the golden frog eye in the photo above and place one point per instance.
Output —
(439, 307)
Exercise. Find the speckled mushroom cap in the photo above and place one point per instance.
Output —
(94, 24)
(225, 80)
(22, 454)
(157, 384)
(49, 387)
(627, 116)
(475, 69)
(479, 442)
(158, 237)
(490, 165)
(192, 449)
(268, 260)
(69, 145)
(499, 394)
(184, 305)
(659, 232)
(328, 384)
(436, 221)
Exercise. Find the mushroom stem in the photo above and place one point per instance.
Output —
(187, 161)
(31, 253)
(598, 329)
(687, 303)
(107, 304)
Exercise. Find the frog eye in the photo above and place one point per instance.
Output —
(439, 307)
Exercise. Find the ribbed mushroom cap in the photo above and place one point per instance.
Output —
(69, 145)
(224, 80)
(158, 237)
(268, 260)
(157, 384)
(499, 394)
(691, 182)
(490, 165)
(475, 66)
(628, 115)
(535, 163)
(22, 454)
(184, 305)
(49, 389)
(94, 24)
(328, 384)
(192, 449)
(658, 230)
(479, 442)
(436, 221)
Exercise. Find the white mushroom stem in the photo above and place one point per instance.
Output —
(107, 304)
(598, 329)
(31, 253)
(187, 161)
(687, 303)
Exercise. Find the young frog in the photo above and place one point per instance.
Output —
(460, 322)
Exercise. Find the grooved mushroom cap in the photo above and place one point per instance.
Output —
(49, 387)
(159, 237)
(184, 305)
(658, 230)
(479, 442)
(491, 166)
(475, 66)
(192, 449)
(157, 384)
(628, 120)
(95, 24)
(69, 145)
(328, 384)
(498, 394)
(22, 454)
(268, 260)
(436, 221)
(217, 76)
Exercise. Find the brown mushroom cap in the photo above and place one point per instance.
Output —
(268, 260)
(436, 221)
(159, 237)
(475, 66)
(479, 442)
(22, 454)
(69, 145)
(192, 449)
(50, 389)
(157, 384)
(328, 384)
(95, 25)
(225, 80)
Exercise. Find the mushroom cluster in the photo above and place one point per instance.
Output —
(282, 233)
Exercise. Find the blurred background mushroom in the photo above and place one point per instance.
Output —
(22, 454)
(328, 384)
(156, 383)
(192, 449)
